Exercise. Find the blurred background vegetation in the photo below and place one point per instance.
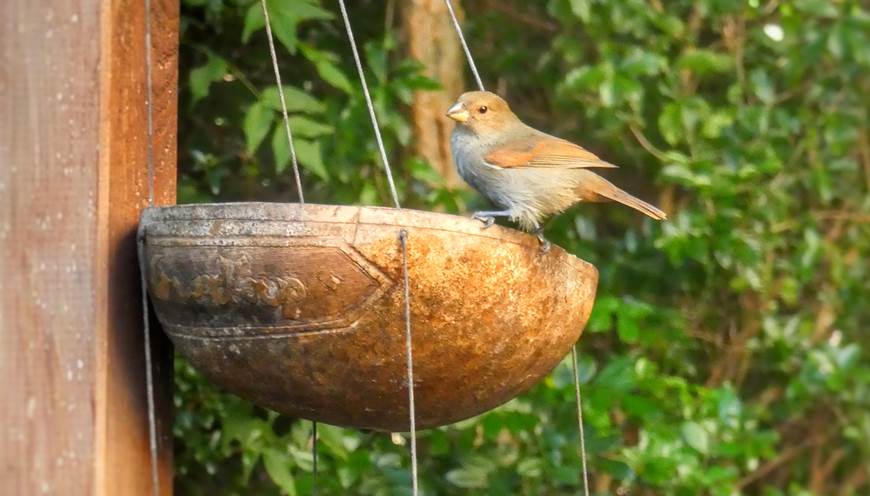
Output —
(727, 352)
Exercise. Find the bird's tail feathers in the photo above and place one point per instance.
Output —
(618, 195)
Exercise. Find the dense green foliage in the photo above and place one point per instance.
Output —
(727, 351)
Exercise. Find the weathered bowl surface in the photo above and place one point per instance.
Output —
(299, 308)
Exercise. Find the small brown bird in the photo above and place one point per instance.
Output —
(529, 174)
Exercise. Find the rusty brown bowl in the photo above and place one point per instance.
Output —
(299, 308)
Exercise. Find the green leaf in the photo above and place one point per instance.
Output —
(627, 327)
(422, 171)
(241, 426)
(334, 76)
(697, 437)
(310, 156)
(300, 127)
(307, 128)
(645, 63)
(376, 60)
(357, 465)
(278, 464)
(762, 86)
(703, 62)
(250, 459)
(682, 174)
(280, 149)
(325, 63)
(201, 77)
(586, 368)
(618, 376)
(821, 8)
(582, 9)
(607, 93)
(302, 458)
(297, 100)
(254, 21)
(468, 477)
(286, 15)
(530, 467)
(584, 78)
(333, 440)
(640, 406)
(420, 82)
(672, 26)
(602, 313)
(728, 406)
(671, 123)
(713, 125)
(438, 443)
(256, 124)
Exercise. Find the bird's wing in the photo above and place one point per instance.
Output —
(545, 152)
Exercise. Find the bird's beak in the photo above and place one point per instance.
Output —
(457, 112)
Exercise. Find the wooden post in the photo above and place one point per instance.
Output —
(73, 179)
(432, 40)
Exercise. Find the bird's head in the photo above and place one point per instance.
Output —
(482, 111)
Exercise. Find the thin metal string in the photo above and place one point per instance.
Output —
(140, 238)
(149, 375)
(314, 457)
(298, 178)
(473, 67)
(464, 44)
(409, 353)
(580, 420)
(149, 115)
(403, 240)
(365, 88)
(281, 97)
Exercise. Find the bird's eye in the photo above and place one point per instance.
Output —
(482, 109)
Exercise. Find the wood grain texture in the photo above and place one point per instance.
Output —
(72, 182)
(121, 402)
(48, 275)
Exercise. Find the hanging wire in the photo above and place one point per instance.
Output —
(464, 44)
(149, 376)
(283, 103)
(274, 56)
(365, 88)
(580, 420)
(314, 458)
(149, 116)
(409, 353)
(146, 327)
(473, 67)
(403, 240)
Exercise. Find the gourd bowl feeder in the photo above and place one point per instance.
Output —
(300, 308)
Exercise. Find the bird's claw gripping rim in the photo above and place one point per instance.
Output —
(487, 220)
(539, 233)
(545, 245)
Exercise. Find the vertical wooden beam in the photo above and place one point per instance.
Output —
(48, 201)
(432, 40)
(73, 180)
(121, 403)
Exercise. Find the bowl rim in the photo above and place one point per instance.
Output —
(328, 213)
(341, 214)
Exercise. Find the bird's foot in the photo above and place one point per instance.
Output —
(488, 220)
(538, 231)
(488, 217)
(545, 245)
